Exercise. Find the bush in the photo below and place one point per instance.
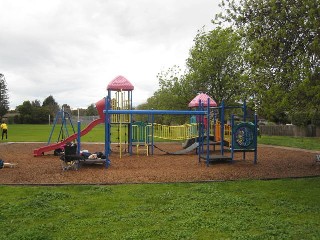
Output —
(301, 118)
(315, 118)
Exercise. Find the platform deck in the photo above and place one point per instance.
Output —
(214, 157)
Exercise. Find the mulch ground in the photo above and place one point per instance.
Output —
(273, 162)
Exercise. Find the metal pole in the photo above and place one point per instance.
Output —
(232, 137)
(79, 137)
(208, 131)
(255, 138)
(222, 128)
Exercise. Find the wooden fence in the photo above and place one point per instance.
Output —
(290, 130)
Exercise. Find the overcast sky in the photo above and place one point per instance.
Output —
(72, 49)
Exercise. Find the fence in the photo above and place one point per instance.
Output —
(290, 130)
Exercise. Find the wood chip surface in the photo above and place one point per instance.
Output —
(273, 162)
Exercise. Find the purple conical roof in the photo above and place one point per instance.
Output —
(120, 83)
(204, 100)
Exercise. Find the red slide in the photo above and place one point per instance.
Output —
(40, 151)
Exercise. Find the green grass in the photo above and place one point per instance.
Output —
(41, 133)
(278, 209)
(297, 142)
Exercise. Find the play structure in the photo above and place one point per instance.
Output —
(207, 128)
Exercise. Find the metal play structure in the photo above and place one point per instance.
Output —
(204, 130)
(141, 134)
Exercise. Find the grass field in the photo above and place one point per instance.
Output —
(41, 133)
(311, 143)
(277, 209)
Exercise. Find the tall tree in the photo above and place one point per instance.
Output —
(282, 38)
(173, 94)
(216, 65)
(51, 104)
(4, 98)
(36, 103)
(26, 112)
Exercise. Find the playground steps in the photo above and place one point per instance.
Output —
(142, 147)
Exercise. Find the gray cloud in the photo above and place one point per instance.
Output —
(73, 49)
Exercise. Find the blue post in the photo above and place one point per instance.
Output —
(200, 132)
(107, 130)
(222, 128)
(232, 137)
(79, 137)
(208, 132)
(244, 119)
(130, 123)
(255, 138)
(106, 152)
(152, 135)
(54, 124)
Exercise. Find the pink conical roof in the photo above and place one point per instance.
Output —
(204, 100)
(120, 83)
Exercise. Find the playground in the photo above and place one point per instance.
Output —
(207, 127)
(273, 162)
(208, 148)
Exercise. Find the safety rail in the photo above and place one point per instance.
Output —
(180, 132)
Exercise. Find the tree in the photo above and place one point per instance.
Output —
(32, 113)
(39, 115)
(4, 98)
(26, 112)
(80, 111)
(51, 104)
(66, 108)
(92, 110)
(216, 65)
(173, 94)
(36, 103)
(282, 41)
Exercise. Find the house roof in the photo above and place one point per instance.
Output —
(120, 83)
(204, 100)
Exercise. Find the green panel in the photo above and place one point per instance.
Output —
(243, 136)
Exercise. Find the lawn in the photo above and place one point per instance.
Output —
(41, 133)
(311, 143)
(277, 209)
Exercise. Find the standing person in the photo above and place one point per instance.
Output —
(4, 128)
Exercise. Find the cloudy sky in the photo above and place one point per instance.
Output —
(72, 49)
